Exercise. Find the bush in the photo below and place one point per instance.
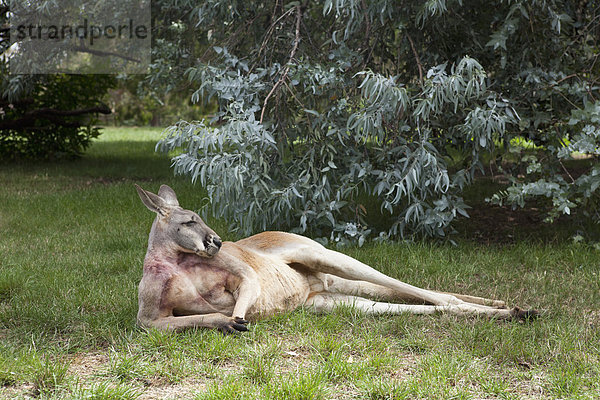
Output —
(324, 105)
(50, 116)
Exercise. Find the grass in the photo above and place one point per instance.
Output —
(72, 241)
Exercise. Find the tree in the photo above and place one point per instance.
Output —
(48, 117)
(327, 107)
(45, 115)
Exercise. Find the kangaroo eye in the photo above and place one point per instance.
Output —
(189, 223)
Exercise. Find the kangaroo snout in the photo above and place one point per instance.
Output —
(212, 244)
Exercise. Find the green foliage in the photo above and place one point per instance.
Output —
(553, 179)
(309, 123)
(322, 104)
(46, 116)
(557, 101)
(135, 103)
(47, 119)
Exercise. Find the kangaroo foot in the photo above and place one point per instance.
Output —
(524, 315)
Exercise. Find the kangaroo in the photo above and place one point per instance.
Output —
(193, 279)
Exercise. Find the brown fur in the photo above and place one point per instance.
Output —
(191, 279)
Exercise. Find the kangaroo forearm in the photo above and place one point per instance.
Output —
(247, 295)
(171, 323)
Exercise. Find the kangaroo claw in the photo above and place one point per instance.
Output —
(234, 326)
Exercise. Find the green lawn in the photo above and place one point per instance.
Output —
(72, 241)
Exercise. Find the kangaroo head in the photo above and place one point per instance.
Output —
(176, 228)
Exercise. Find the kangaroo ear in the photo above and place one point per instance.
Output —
(153, 202)
(168, 195)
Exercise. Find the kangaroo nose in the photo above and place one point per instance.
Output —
(217, 241)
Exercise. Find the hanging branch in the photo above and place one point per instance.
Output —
(417, 59)
(69, 113)
(286, 70)
(27, 121)
(270, 31)
(101, 53)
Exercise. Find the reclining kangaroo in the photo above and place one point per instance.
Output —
(192, 279)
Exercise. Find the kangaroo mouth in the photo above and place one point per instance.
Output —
(212, 244)
(209, 252)
(212, 250)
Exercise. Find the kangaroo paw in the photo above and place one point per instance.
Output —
(233, 326)
(524, 315)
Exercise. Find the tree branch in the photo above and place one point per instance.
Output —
(417, 59)
(566, 171)
(70, 113)
(16, 103)
(55, 115)
(564, 79)
(29, 123)
(286, 70)
(101, 53)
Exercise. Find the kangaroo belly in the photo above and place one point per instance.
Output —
(282, 288)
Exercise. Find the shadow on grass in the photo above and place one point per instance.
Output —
(105, 163)
(108, 159)
(492, 224)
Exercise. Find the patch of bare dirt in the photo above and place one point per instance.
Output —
(87, 365)
(406, 367)
(17, 392)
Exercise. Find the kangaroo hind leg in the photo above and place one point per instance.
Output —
(326, 302)
(321, 260)
(335, 284)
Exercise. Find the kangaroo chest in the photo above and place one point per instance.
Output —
(197, 287)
